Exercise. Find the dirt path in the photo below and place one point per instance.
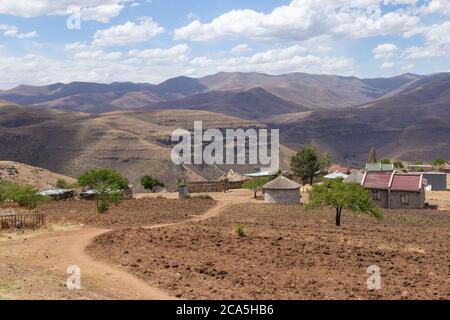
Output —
(42, 262)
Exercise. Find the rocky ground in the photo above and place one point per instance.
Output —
(289, 253)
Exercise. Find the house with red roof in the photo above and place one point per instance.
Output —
(395, 190)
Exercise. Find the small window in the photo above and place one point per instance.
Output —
(376, 195)
(404, 199)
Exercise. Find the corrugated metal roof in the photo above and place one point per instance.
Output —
(377, 180)
(379, 166)
(407, 182)
(261, 174)
(396, 181)
(335, 175)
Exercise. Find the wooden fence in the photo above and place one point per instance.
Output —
(22, 221)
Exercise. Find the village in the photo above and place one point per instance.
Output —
(251, 235)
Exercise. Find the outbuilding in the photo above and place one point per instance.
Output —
(395, 190)
(282, 190)
(436, 181)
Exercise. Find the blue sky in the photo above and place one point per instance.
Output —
(150, 41)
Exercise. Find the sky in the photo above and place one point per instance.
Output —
(48, 41)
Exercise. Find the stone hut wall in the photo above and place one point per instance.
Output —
(282, 196)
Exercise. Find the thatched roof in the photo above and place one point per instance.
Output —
(233, 176)
(282, 183)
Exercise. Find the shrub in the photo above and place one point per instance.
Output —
(24, 196)
(255, 184)
(240, 230)
(203, 196)
(439, 162)
(150, 183)
(63, 184)
(109, 187)
(398, 165)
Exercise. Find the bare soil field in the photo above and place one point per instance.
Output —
(130, 213)
(33, 262)
(288, 253)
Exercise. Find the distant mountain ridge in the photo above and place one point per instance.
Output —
(305, 90)
(405, 118)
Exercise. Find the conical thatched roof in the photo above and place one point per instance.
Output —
(233, 176)
(282, 183)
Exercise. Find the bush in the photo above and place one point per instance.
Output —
(439, 162)
(203, 196)
(255, 184)
(24, 196)
(398, 165)
(240, 230)
(63, 184)
(150, 183)
(109, 187)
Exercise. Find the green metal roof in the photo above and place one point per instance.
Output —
(379, 166)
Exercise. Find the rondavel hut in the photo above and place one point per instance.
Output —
(282, 190)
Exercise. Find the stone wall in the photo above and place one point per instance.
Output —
(282, 196)
(416, 200)
(211, 186)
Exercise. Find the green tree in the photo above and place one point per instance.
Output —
(307, 162)
(255, 184)
(150, 183)
(63, 184)
(108, 185)
(386, 161)
(338, 194)
(439, 162)
(398, 165)
(24, 196)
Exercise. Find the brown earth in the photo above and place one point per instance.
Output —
(130, 213)
(289, 254)
(33, 263)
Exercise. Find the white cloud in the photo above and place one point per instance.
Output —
(156, 65)
(408, 67)
(98, 55)
(241, 48)
(437, 43)
(75, 46)
(127, 33)
(385, 51)
(290, 59)
(303, 19)
(441, 7)
(176, 54)
(12, 32)
(102, 13)
(98, 10)
(387, 65)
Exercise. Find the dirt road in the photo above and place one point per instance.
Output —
(35, 267)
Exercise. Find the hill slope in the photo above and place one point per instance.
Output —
(38, 178)
(251, 104)
(134, 142)
(413, 124)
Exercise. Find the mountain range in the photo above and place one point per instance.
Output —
(69, 127)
